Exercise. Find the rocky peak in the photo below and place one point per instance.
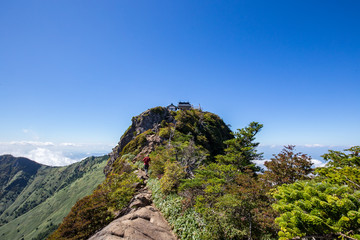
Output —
(150, 119)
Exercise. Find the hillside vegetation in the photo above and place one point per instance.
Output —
(46, 197)
(151, 131)
(15, 174)
(204, 180)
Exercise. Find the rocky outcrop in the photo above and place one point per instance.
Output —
(150, 119)
(140, 220)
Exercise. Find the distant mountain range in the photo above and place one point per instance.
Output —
(34, 198)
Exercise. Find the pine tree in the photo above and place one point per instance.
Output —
(241, 150)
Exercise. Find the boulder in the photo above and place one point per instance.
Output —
(140, 221)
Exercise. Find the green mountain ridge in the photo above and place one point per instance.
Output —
(204, 181)
(15, 174)
(190, 138)
(36, 199)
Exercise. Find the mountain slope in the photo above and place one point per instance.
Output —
(48, 197)
(191, 137)
(15, 174)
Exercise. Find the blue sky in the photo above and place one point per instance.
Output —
(73, 73)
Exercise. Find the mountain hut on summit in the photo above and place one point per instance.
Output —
(184, 106)
(172, 107)
(181, 106)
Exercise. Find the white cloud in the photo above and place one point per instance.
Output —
(270, 145)
(47, 157)
(53, 154)
(70, 144)
(260, 163)
(318, 163)
(32, 143)
(316, 145)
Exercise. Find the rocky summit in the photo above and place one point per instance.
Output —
(151, 119)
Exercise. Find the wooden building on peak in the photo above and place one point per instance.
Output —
(172, 107)
(184, 106)
(181, 106)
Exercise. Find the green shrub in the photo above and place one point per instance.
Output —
(165, 132)
(135, 145)
(138, 164)
(120, 189)
(309, 208)
(164, 123)
(158, 159)
(174, 172)
(207, 129)
(122, 165)
(128, 157)
(86, 216)
(158, 110)
(186, 224)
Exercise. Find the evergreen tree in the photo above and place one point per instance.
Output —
(311, 210)
(326, 207)
(241, 150)
(342, 168)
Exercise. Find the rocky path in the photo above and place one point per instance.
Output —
(141, 220)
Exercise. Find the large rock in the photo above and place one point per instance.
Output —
(142, 222)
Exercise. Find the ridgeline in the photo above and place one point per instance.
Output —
(204, 182)
(35, 198)
(189, 138)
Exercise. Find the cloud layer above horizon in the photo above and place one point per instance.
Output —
(53, 154)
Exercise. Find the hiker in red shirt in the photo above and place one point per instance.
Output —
(146, 161)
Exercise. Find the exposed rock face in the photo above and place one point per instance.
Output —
(150, 119)
(151, 142)
(140, 220)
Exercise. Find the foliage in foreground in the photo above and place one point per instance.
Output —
(226, 196)
(234, 205)
(318, 210)
(342, 168)
(186, 223)
(326, 207)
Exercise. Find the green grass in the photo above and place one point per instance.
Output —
(186, 224)
(53, 209)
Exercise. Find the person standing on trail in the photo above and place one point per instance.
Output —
(146, 161)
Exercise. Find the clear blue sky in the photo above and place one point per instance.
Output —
(77, 71)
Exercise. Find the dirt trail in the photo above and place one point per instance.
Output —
(141, 220)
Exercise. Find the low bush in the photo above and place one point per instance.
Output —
(158, 159)
(165, 132)
(186, 223)
(174, 172)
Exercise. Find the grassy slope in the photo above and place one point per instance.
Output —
(15, 174)
(54, 208)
